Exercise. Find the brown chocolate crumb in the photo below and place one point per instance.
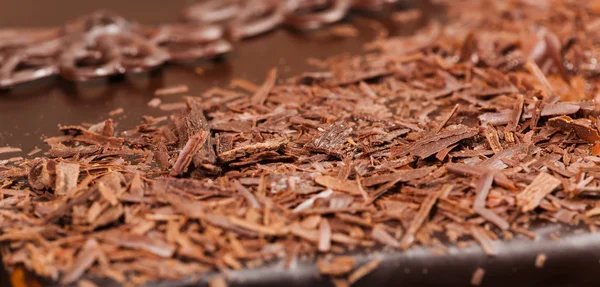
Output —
(86, 283)
(324, 236)
(7, 149)
(179, 89)
(244, 84)
(336, 184)
(154, 103)
(487, 244)
(189, 150)
(116, 112)
(343, 31)
(172, 106)
(381, 235)
(419, 218)
(448, 117)
(217, 281)
(337, 266)
(86, 257)
(339, 282)
(583, 127)
(541, 186)
(540, 260)
(477, 277)
(34, 151)
(67, 175)
(364, 270)
(406, 16)
(260, 96)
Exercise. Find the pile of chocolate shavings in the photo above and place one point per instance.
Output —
(470, 131)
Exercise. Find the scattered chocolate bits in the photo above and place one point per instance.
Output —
(466, 132)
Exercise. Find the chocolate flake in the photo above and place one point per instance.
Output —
(169, 107)
(336, 184)
(482, 189)
(34, 151)
(583, 127)
(86, 283)
(558, 109)
(116, 112)
(540, 260)
(477, 277)
(86, 257)
(7, 149)
(337, 266)
(542, 185)
(484, 240)
(516, 113)
(67, 175)
(190, 149)
(179, 89)
(380, 234)
(418, 219)
(332, 141)
(324, 236)
(154, 103)
(491, 134)
(263, 92)
(447, 117)
(399, 176)
(436, 142)
(244, 84)
(140, 242)
(246, 150)
(217, 281)
(364, 270)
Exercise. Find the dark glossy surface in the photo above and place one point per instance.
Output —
(32, 111)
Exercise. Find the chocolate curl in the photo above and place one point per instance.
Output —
(259, 17)
(335, 11)
(105, 52)
(101, 18)
(38, 60)
(212, 11)
(183, 34)
(185, 42)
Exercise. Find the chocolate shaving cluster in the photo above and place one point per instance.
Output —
(467, 133)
